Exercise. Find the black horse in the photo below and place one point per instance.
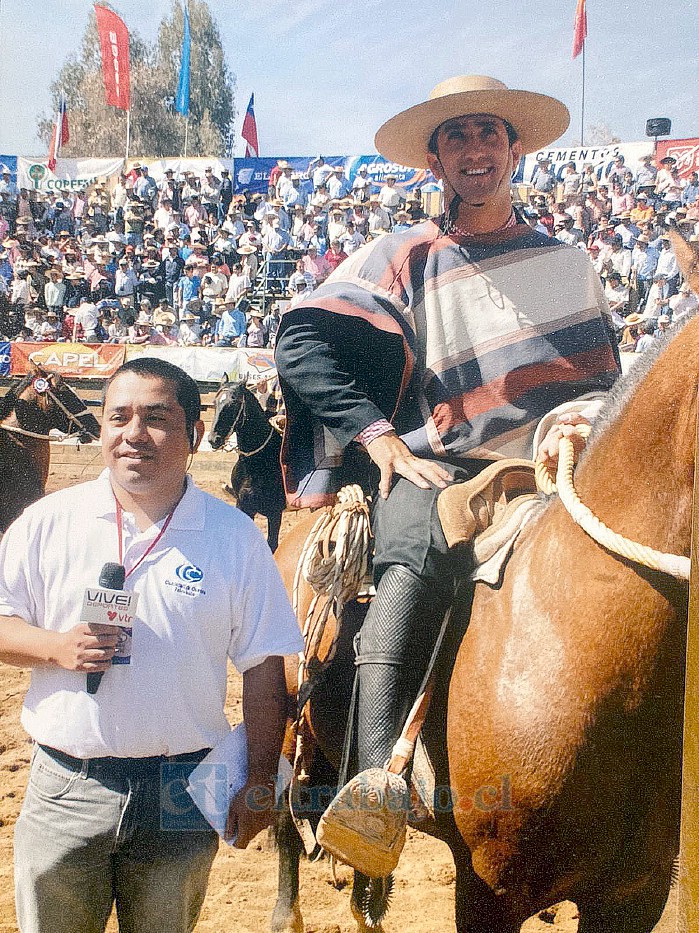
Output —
(256, 479)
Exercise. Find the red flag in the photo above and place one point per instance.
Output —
(249, 131)
(580, 31)
(60, 135)
(114, 46)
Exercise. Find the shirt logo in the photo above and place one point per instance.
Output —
(189, 573)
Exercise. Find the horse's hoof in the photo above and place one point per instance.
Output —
(292, 923)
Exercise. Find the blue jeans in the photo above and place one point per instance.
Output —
(89, 835)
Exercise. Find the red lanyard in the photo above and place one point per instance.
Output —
(119, 514)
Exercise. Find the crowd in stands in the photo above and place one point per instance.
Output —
(185, 261)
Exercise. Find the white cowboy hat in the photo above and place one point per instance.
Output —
(537, 119)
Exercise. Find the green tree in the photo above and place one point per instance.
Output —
(157, 130)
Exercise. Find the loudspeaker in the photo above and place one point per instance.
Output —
(658, 126)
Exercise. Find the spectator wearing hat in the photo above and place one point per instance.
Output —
(226, 195)
(352, 239)
(233, 322)
(145, 187)
(615, 171)
(647, 335)
(213, 285)
(617, 294)
(588, 180)
(249, 260)
(195, 214)
(667, 264)
(618, 259)
(316, 265)
(337, 184)
(275, 242)
(690, 192)
(210, 189)
(571, 182)
(658, 301)
(668, 184)
(643, 211)
(85, 319)
(543, 178)
(63, 222)
(125, 279)
(378, 219)
(390, 197)
(646, 176)
(644, 260)
(186, 290)
(319, 171)
(334, 255)
(188, 332)
(361, 185)
(684, 303)
(55, 291)
(255, 335)
(239, 284)
(8, 187)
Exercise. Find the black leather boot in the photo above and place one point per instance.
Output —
(395, 645)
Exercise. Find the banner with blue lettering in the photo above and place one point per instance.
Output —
(5, 356)
(253, 174)
(9, 162)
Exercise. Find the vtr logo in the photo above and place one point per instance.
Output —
(189, 573)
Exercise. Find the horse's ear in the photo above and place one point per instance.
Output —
(224, 379)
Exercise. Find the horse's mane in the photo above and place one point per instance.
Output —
(625, 387)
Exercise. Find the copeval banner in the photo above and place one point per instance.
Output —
(686, 151)
(89, 360)
(253, 174)
(70, 174)
(5, 358)
(114, 46)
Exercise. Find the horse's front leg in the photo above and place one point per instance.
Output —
(286, 917)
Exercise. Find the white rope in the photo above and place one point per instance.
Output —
(675, 565)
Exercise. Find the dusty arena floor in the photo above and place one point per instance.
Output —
(243, 884)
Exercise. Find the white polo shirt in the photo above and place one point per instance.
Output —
(209, 590)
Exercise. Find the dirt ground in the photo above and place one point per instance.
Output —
(242, 887)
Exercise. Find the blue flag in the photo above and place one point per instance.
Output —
(182, 101)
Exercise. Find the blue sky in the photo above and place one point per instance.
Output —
(327, 73)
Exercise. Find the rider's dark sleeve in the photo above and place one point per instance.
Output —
(344, 371)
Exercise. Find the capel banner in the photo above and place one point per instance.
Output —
(89, 360)
(686, 151)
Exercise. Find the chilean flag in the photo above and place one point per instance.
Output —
(60, 135)
(580, 29)
(249, 132)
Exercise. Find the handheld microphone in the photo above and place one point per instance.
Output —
(112, 577)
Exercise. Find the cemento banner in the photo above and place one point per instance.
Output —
(686, 151)
(601, 157)
(89, 360)
(69, 174)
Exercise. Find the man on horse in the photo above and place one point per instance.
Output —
(437, 350)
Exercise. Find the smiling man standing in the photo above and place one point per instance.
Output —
(438, 350)
(103, 819)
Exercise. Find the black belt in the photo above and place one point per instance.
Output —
(113, 765)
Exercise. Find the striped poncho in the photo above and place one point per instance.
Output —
(496, 332)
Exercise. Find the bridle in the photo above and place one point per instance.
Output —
(242, 414)
(47, 389)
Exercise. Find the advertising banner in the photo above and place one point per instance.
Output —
(9, 162)
(209, 364)
(89, 360)
(686, 151)
(5, 348)
(602, 157)
(253, 174)
(114, 46)
(70, 174)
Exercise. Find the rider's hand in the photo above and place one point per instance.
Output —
(392, 456)
(565, 427)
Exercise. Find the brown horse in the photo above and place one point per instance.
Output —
(33, 406)
(556, 727)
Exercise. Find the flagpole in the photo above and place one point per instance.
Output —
(128, 134)
(186, 135)
(582, 101)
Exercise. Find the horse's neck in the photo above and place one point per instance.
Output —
(638, 474)
(255, 427)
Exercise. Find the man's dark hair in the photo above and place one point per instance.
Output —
(512, 137)
(186, 389)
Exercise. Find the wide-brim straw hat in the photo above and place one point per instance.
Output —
(537, 118)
